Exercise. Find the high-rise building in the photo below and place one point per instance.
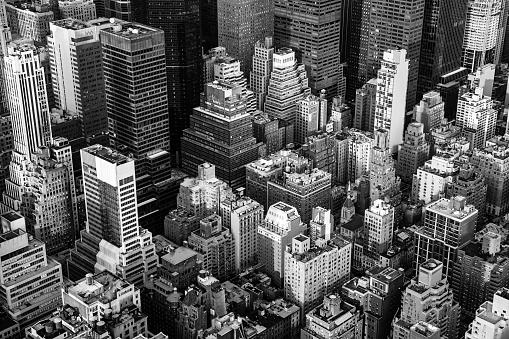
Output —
(83, 10)
(334, 318)
(340, 114)
(430, 111)
(365, 104)
(322, 225)
(304, 191)
(288, 84)
(78, 77)
(315, 35)
(442, 40)
(476, 113)
(413, 153)
(391, 96)
(395, 24)
(30, 20)
(321, 150)
(429, 298)
(491, 318)
(180, 267)
(482, 267)
(493, 162)
(209, 61)
(382, 175)
(311, 273)
(449, 225)
(261, 70)
(311, 117)
(220, 133)
(6, 147)
(430, 181)
(282, 223)
(215, 243)
(276, 134)
(242, 24)
(113, 240)
(243, 216)
(480, 42)
(379, 227)
(181, 23)
(179, 224)
(32, 290)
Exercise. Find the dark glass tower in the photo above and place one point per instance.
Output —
(442, 41)
(209, 28)
(180, 21)
(312, 29)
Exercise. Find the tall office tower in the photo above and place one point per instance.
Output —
(209, 61)
(83, 10)
(430, 181)
(78, 78)
(311, 117)
(358, 161)
(340, 114)
(217, 246)
(491, 318)
(138, 115)
(243, 216)
(261, 70)
(276, 134)
(449, 225)
(241, 24)
(220, 133)
(379, 227)
(315, 35)
(413, 153)
(202, 195)
(260, 172)
(182, 40)
(302, 190)
(321, 150)
(391, 96)
(442, 40)
(282, 223)
(396, 25)
(113, 240)
(482, 267)
(382, 175)
(31, 290)
(471, 184)
(322, 225)
(227, 69)
(430, 111)
(29, 20)
(476, 113)
(379, 292)
(480, 42)
(429, 298)
(6, 148)
(365, 103)
(288, 84)
(493, 162)
(311, 273)
(109, 304)
(334, 318)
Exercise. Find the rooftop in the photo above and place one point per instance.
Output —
(107, 154)
(130, 30)
(101, 287)
(443, 207)
(178, 255)
(72, 24)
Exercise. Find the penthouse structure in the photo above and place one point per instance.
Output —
(311, 273)
(449, 225)
(282, 224)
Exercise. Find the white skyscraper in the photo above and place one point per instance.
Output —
(260, 73)
(311, 117)
(391, 96)
(379, 226)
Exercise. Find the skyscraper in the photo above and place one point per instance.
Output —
(365, 104)
(442, 40)
(78, 77)
(287, 85)
(282, 223)
(311, 117)
(379, 227)
(313, 30)
(413, 153)
(481, 33)
(241, 24)
(449, 225)
(395, 24)
(430, 111)
(221, 134)
(391, 96)
(180, 22)
(261, 70)
(430, 180)
(113, 240)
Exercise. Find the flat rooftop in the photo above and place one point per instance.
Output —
(103, 288)
(12, 216)
(179, 255)
(107, 154)
(72, 24)
(130, 30)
